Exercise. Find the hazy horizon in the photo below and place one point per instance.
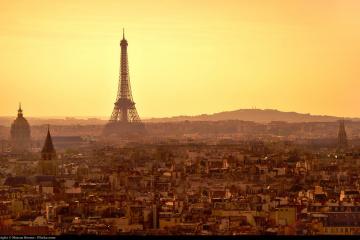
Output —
(84, 117)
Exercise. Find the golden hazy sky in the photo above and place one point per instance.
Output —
(61, 58)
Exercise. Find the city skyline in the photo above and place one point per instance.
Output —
(179, 118)
(270, 55)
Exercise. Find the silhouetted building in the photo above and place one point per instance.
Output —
(20, 133)
(342, 137)
(48, 162)
(124, 120)
(67, 142)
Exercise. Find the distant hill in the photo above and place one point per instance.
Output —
(255, 115)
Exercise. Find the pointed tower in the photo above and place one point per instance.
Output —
(342, 137)
(20, 133)
(124, 119)
(48, 162)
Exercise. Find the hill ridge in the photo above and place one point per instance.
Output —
(255, 115)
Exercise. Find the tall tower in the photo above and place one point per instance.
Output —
(342, 137)
(124, 118)
(48, 162)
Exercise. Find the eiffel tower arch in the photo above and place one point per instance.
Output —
(124, 120)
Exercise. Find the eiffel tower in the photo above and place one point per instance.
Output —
(124, 120)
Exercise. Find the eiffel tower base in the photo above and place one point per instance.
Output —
(124, 130)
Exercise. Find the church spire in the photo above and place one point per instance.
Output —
(48, 150)
(20, 112)
(48, 163)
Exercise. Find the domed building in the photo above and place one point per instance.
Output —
(20, 135)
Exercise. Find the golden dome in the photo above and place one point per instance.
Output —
(20, 132)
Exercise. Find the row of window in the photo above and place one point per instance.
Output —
(340, 230)
(336, 209)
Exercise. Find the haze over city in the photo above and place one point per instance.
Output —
(179, 118)
(186, 58)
